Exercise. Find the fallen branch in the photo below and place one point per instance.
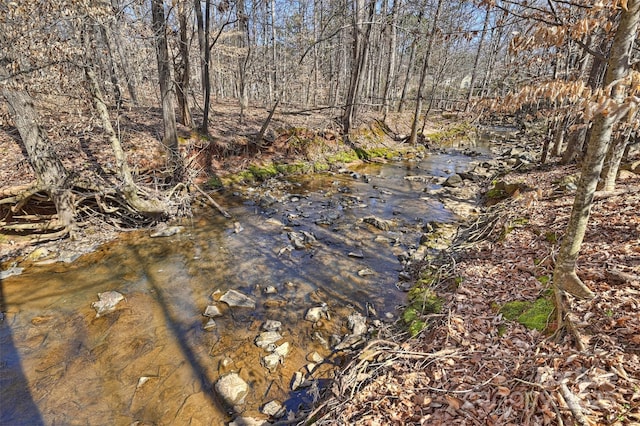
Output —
(573, 402)
(212, 202)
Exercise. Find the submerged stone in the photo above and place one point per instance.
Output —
(235, 299)
(271, 362)
(166, 232)
(267, 338)
(212, 311)
(315, 314)
(271, 325)
(107, 303)
(210, 325)
(232, 389)
(357, 323)
(453, 181)
(273, 409)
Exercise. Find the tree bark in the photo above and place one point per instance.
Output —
(413, 138)
(360, 49)
(183, 77)
(49, 170)
(476, 61)
(565, 277)
(243, 60)
(170, 139)
(391, 65)
(613, 159)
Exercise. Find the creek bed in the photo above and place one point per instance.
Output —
(306, 242)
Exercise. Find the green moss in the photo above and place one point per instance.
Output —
(320, 166)
(425, 300)
(544, 279)
(409, 315)
(214, 182)
(449, 133)
(495, 193)
(533, 315)
(416, 327)
(411, 318)
(264, 172)
(551, 237)
(343, 157)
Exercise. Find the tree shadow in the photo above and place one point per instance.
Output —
(181, 332)
(17, 406)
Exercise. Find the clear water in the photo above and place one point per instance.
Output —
(151, 361)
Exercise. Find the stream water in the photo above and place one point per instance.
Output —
(151, 361)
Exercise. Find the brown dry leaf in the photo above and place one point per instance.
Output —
(503, 391)
(453, 402)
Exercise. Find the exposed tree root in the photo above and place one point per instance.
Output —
(28, 210)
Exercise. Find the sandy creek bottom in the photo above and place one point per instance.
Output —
(151, 362)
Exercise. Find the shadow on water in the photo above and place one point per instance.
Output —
(180, 333)
(16, 403)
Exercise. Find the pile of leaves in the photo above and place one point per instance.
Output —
(473, 366)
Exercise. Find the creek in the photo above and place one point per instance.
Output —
(293, 244)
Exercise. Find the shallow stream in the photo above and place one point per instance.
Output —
(151, 361)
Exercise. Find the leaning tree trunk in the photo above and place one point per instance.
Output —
(50, 173)
(564, 276)
(129, 188)
(170, 139)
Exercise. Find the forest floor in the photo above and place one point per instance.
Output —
(470, 365)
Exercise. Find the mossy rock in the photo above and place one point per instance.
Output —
(533, 315)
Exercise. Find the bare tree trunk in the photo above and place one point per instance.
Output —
(564, 276)
(206, 83)
(170, 139)
(113, 72)
(183, 77)
(49, 170)
(613, 159)
(391, 65)
(204, 69)
(413, 138)
(243, 60)
(360, 49)
(126, 67)
(412, 55)
(476, 61)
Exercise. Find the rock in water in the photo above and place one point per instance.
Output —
(232, 389)
(267, 338)
(453, 181)
(357, 323)
(107, 303)
(236, 299)
(166, 231)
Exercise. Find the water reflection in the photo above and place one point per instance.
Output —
(151, 360)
